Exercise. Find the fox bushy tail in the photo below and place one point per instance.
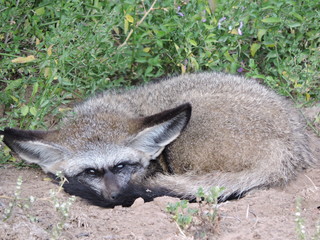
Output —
(277, 169)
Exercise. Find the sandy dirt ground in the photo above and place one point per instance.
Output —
(262, 214)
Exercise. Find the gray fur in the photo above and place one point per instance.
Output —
(241, 136)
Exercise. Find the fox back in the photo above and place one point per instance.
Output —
(170, 138)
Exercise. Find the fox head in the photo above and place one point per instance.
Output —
(102, 158)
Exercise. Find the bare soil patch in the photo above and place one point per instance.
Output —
(262, 214)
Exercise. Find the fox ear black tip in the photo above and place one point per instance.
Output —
(4, 131)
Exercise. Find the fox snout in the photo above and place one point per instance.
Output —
(112, 186)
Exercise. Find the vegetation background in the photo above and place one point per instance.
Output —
(56, 52)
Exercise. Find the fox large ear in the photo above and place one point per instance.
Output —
(161, 129)
(33, 148)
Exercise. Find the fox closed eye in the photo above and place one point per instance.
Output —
(119, 166)
(93, 172)
(124, 166)
(98, 173)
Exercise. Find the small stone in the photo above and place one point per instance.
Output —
(138, 202)
(148, 233)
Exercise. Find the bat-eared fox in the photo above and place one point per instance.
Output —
(171, 138)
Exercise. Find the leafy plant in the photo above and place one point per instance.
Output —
(182, 214)
(205, 217)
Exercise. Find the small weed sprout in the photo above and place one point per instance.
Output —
(208, 205)
(182, 214)
(300, 224)
(62, 207)
(317, 233)
(301, 229)
(205, 216)
(17, 201)
(8, 211)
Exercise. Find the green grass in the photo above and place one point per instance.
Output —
(80, 47)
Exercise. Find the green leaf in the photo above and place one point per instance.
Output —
(129, 18)
(233, 67)
(297, 16)
(193, 42)
(259, 76)
(40, 11)
(254, 48)
(15, 99)
(270, 44)
(126, 26)
(33, 111)
(261, 32)
(271, 20)
(24, 110)
(176, 46)
(194, 64)
(14, 84)
(295, 24)
(148, 70)
(228, 56)
(35, 88)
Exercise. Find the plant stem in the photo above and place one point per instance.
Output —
(138, 23)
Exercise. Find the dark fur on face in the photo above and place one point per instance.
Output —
(126, 198)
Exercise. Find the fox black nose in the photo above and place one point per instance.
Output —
(113, 195)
